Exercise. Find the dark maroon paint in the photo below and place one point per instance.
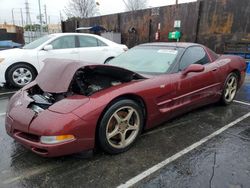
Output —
(164, 97)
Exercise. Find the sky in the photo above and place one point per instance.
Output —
(54, 7)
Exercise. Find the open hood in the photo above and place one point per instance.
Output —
(57, 74)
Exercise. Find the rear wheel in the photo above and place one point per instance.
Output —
(230, 89)
(20, 75)
(120, 126)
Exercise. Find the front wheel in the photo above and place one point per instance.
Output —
(230, 89)
(120, 126)
(20, 75)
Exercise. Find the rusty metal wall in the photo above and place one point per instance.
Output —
(224, 21)
(210, 22)
(145, 23)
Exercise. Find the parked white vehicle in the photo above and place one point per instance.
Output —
(19, 67)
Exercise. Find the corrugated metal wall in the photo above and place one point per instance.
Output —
(210, 22)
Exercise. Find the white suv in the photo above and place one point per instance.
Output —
(19, 67)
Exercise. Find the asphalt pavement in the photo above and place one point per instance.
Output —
(160, 158)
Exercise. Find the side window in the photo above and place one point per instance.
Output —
(100, 43)
(193, 55)
(86, 41)
(64, 42)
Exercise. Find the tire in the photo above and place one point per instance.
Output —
(107, 60)
(120, 126)
(230, 89)
(20, 75)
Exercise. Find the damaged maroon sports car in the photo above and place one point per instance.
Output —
(71, 107)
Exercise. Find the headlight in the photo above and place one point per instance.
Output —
(1, 60)
(56, 139)
(36, 108)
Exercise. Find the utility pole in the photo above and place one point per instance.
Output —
(61, 18)
(45, 13)
(28, 23)
(27, 11)
(22, 16)
(13, 19)
(176, 2)
(40, 16)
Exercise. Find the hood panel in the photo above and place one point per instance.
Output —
(10, 52)
(69, 104)
(57, 74)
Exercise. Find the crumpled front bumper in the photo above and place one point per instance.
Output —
(26, 127)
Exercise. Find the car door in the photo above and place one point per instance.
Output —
(64, 47)
(195, 88)
(92, 49)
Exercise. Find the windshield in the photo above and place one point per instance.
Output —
(147, 59)
(37, 42)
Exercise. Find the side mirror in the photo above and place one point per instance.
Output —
(193, 68)
(48, 47)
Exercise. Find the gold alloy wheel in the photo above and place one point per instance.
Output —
(123, 127)
(231, 88)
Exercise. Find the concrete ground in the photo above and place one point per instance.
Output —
(222, 161)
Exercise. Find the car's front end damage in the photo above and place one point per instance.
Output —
(42, 117)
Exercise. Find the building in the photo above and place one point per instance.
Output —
(11, 32)
(54, 28)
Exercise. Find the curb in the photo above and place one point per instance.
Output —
(6, 94)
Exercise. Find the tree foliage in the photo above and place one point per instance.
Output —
(35, 27)
(133, 5)
(81, 8)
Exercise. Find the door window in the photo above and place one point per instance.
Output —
(64, 42)
(100, 43)
(193, 55)
(86, 41)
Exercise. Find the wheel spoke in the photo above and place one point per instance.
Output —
(118, 118)
(232, 93)
(22, 81)
(234, 88)
(129, 115)
(114, 132)
(21, 70)
(16, 74)
(132, 127)
(123, 139)
(17, 79)
(227, 92)
(27, 74)
(230, 81)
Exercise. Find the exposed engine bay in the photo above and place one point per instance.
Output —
(86, 81)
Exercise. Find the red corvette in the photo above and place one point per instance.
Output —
(72, 106)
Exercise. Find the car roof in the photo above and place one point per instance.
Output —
(172, 44)
(65, 34)
(107, 41)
